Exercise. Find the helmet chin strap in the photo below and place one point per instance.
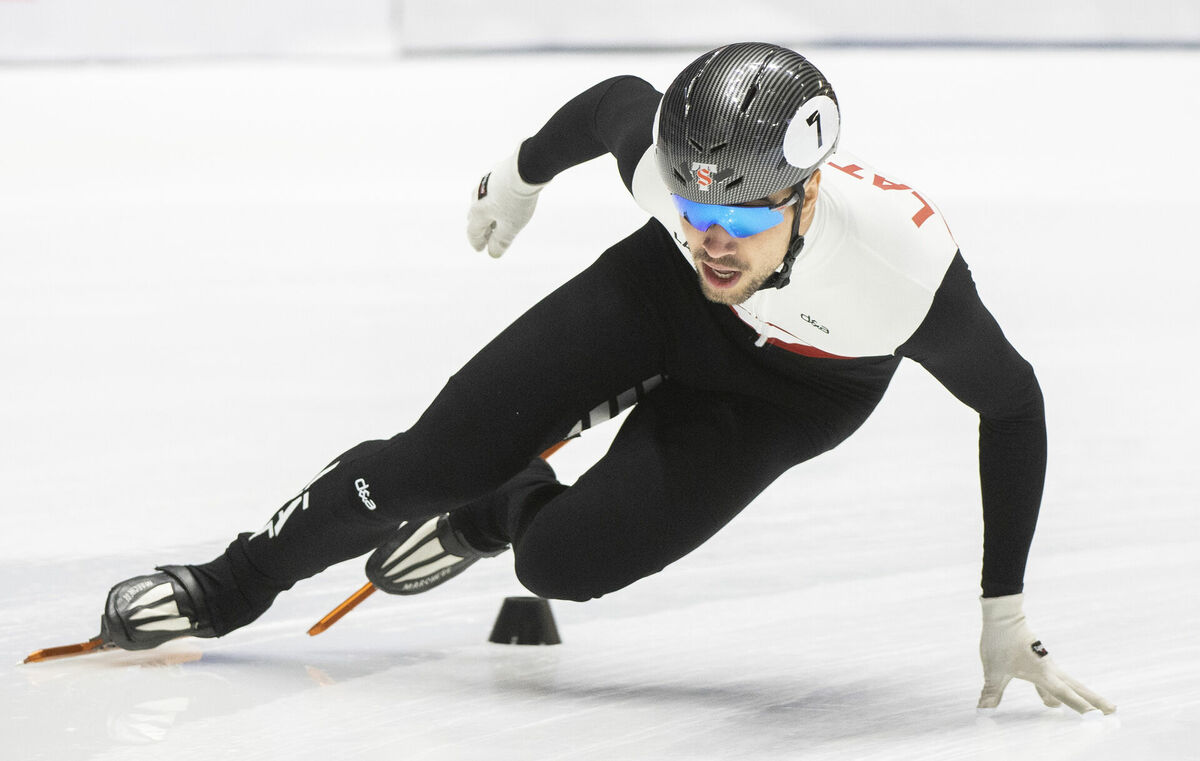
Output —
(782, 276)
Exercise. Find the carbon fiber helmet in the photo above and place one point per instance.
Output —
(744, 121)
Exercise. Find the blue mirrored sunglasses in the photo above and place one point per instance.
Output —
(738, 221)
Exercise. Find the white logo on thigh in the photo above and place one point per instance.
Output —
(363, 493)
(275, 525)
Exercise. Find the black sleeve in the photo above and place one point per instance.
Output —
(615, 116)
(962, 346)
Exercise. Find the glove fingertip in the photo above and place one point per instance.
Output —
(499, 243)
(1047, 699)
(478, 228)
(988, 700)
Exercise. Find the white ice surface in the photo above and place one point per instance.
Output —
(217, 277)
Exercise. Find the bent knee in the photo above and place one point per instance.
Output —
(556, 577)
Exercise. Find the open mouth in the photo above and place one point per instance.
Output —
(719, 277)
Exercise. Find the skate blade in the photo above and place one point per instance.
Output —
(94, 644)
(333, 616)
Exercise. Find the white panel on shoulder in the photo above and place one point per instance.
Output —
(872, 261)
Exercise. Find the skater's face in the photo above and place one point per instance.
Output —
(731, 269)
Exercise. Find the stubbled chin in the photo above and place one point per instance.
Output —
(724, 295)
(723, 291)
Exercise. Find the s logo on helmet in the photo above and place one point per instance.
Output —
(704, 175)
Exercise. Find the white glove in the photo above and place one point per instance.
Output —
(1008, 649)
(501, 205)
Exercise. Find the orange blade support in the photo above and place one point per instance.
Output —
(335, 615)
(45, 654)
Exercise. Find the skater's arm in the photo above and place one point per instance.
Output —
(961, 345)
(615, 116)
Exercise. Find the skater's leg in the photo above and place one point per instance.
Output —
(683, 465)
(596, 336)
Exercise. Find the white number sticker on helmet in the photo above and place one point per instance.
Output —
(812, 132)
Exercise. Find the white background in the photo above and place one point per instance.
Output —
(55, 30)
(218, 276)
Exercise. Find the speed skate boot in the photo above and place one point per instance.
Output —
(420, 556)
(146, 611)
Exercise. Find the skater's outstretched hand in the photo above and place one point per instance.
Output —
(501, 205)
(1009, 649)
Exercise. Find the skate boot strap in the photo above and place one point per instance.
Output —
(454, 542)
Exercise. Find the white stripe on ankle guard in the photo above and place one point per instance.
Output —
(153, 595)
(423, 534)
(431, 568)
(166, 625)
(168, 608)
